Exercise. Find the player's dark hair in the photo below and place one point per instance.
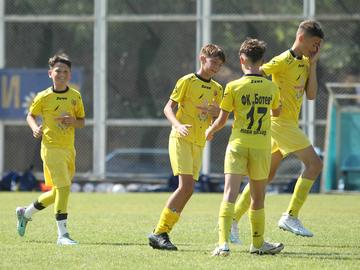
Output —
(59, 57)
(212, 50)
(311, 28)
(253, 48)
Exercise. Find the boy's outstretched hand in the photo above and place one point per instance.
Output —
(183, 129)
(209, 135)
(37, 133)
(213, 109)
(315, 55)
(66, 120)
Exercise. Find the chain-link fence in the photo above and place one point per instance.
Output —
(149, 45)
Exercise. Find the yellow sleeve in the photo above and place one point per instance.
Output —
(80, 111)
(275, 65)
(36, 105)
(276, 100)
(228, 100)
(178, 93)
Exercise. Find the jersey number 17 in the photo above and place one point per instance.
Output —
(250, 116)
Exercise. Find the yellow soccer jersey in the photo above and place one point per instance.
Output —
(191, 91)
(251, 98)
(50, 104)
(290, 74)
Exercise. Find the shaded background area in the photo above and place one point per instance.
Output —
(145, 57)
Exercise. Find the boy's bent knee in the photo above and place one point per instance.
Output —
(316, 165)
(313, 169)
(186, 190)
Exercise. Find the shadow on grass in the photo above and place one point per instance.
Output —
(40, 242)
(89, 243)
(146, 245)
(113, 244)
(322, 256)
(327, 246)
(210, 251)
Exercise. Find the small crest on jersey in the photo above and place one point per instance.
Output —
(73, 102)
(203, 111)
(203, 116)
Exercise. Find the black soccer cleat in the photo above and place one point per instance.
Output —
(161, 241)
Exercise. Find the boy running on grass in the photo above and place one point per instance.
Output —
(62, 110)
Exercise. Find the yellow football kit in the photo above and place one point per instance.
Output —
(57, 145)
(251, 98)
(186, 151)
(290, 73)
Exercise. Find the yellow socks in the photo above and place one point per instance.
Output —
(225, 219)
(257, 221)
(47, 198)
(61, 200)
(301, 191)
(242, 204)
(167, 220)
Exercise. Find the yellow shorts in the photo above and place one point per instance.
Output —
(59, 166)
(287, 137)
(247, 161)
(185, 157)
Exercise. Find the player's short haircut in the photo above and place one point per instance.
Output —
(212, 50)
(311, 28)
(253, 49)
(59, 57)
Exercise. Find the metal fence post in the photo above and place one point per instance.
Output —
(99, 90)
(309, 105)
(203, 36)
(2, 65)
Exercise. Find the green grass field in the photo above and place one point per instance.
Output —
(112, 230)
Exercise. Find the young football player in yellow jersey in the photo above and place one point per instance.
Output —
(251, 98)
(61, 109)
(294, 71)
(197, 97)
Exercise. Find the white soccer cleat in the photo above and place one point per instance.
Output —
(234, 234)
(65, 240)
(221, 251)
(21, 220)
(267, 248)
(294, 225)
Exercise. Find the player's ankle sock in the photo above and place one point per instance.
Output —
(257, 221)
(225, 219)
(242, 204)
(33, 208)
(167, 220)
(301, 191)
(61, 220)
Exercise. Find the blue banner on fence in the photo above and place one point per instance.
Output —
(19, 87)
